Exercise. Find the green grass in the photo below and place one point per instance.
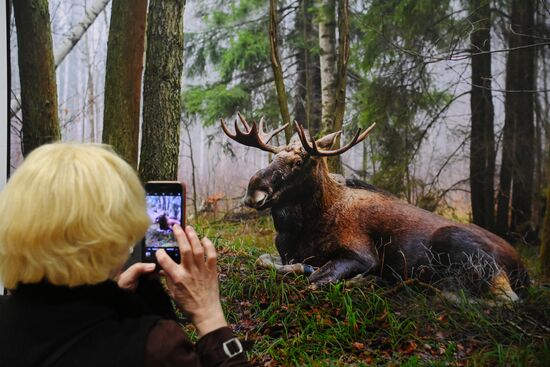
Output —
(411, 325)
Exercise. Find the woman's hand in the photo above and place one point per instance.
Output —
(129, 278)
(193, 284)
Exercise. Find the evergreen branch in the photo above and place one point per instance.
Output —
(465, 54)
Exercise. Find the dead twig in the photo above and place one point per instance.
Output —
(523, 331)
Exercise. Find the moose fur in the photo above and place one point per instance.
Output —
(349, 227)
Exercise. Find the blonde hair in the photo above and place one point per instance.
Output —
(69, 215)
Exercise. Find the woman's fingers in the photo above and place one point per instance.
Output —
(196, 246)
(210, 252)
(195, 253)
(193, 284)
(186, 252)
(171, 268)
(130, 277)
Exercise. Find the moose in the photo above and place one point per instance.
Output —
(348, 227)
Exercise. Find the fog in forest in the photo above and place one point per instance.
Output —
(442, 160)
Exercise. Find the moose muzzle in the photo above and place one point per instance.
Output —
(256, 198)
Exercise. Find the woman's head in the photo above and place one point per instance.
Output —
(69, 215)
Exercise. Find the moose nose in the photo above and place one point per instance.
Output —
(255, 199)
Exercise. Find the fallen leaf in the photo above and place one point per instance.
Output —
(408, 348)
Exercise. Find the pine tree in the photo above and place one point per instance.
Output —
(545, 240)
(161, 91)
(517, 169)
(482, 146)
(36, 73)
(123, 77)
(392, 85)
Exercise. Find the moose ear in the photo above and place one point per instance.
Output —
(327, 141)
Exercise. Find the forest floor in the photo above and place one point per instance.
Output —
(405, 325)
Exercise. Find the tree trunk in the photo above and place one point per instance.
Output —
(161, 91)
(539, 181)
(302, 98)
(316, 96)
(335, 163)
(123, 78)
(278, 69)
(502, 225)
(482, 146)
(522, 111)
(545, 240)
(36, 73)
(545, 231)
(193, 168)
(308, 90)
(76, 33)
(327, 58)
(518, 107)
(90, 95)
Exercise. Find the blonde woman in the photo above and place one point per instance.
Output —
(69, 217)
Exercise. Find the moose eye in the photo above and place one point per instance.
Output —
(298, 163)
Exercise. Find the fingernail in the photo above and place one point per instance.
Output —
(151, 266)
(189, 229)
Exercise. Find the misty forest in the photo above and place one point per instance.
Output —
(458, 158)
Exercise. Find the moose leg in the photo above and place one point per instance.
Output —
(342, 268)
(288, 224)
(501, 288)
(286, 244)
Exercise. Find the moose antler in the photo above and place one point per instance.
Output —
(253, 136)
(314, 151)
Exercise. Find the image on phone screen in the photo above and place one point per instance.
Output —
(164, 210)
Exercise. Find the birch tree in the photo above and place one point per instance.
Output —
(161, 91)
(327, 49)
(36, 73)
(123, 77)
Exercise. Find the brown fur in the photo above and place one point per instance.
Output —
(351, 230)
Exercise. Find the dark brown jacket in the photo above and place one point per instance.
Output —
(101, 325)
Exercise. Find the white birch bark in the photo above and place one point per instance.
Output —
(65, 47)
(327, 46)
(90, 92)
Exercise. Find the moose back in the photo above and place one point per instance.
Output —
(346, 227)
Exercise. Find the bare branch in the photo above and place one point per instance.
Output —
(75, 35)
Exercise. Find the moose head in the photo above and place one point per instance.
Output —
(293, 165)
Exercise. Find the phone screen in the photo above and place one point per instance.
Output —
(164, 209)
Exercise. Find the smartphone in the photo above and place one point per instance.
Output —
(165, 207)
